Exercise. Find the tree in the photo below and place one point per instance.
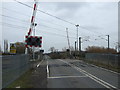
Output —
(20, 47)
(52, 49)
(72, 48)
(96, 49)
(64, 49)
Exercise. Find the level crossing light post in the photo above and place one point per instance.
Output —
(34, 24)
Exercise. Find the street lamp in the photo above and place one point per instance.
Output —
(77, 36)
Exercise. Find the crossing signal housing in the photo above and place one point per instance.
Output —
(33, 41)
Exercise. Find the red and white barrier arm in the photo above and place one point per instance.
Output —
(33, 17)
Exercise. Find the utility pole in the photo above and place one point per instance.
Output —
(77, 37)
(79, 44)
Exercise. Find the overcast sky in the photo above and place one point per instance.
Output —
(96, 20)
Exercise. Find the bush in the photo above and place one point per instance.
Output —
(96, 49)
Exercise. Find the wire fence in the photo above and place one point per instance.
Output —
(13, 66)
(104, 59)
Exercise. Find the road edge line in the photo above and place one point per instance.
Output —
(39, 64)
(47, 70)
(107, 85)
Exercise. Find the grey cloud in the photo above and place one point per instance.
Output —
(70, 5)
(90, 27)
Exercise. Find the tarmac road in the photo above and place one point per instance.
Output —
(65, 73)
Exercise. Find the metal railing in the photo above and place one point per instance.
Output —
(106, 59)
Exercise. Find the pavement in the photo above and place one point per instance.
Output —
(39, 76)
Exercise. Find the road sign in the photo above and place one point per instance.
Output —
(12, 48)
(33, 41)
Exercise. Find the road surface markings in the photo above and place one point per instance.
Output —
(39, 64)
(47, 70)
(100, 81)
(98, 67)
(65, 77)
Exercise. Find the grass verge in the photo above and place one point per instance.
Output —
(23, 81)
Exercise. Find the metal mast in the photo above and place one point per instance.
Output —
(68, 40)
(77, 38)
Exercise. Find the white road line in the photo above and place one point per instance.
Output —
(100, 67)
(94, 78)
(39, 64)
(100, 81)
(47, 70)
(66, 77)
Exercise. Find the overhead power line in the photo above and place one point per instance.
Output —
(16, 26)
(17, 19)
(11, 25)
(55, 17)
(46, 13)
(24, 21)
(53, 28)
(47, 22)
(50, 33)
(17, 12)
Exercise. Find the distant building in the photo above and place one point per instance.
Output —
(5, 46)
